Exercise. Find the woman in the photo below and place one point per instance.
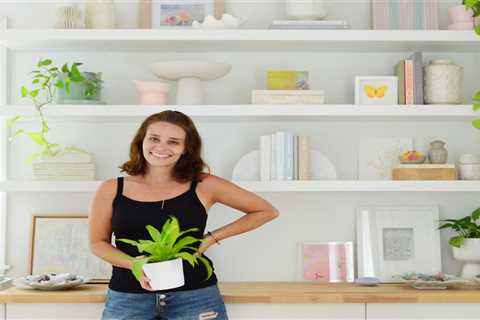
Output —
(166, 178)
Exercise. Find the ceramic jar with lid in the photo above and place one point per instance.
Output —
(100, 14)
(437, 154)
(443, 82)
(469, 165)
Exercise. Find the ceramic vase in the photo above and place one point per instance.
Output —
(460, 18)
(305, 9)
(437, 154)
(469, 167)
(165, 275)
(69, 17)
(443, 82)
(152, 92)
(100, 14)
(469, 253)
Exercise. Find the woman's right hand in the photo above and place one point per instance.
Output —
(145, 282)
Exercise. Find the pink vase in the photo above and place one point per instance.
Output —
(460, 14)
(152, 92)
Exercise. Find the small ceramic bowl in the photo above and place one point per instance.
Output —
(367, 281)
(419, 160)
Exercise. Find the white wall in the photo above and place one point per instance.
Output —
(270, 252)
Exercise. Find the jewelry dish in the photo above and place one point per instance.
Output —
(52, 281)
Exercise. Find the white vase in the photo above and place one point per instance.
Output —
(69, 17)
(100, 14)
(165, 275)
(443, 82)
(469, 253)
(305, 9)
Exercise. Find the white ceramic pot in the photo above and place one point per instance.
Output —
(469, 167)
(100, 14)
(305, 9)
(165, 275)
(152, 92)
(469, 253)
(443, 82)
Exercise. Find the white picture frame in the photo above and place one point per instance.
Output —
(393, 240)
(180, 13)
(59, 243)
(376, 90)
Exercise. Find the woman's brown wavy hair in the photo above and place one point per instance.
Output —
(190, 165)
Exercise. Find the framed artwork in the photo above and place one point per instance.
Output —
(378, 156)
(405, 14)
(376, 90)
(59, 243)
(326, 261)
(177, 13)
(392, 240)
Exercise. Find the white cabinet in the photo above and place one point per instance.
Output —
(44, 311)
(427, 311)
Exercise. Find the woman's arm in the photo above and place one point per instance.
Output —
(257, 210)
(100, 227)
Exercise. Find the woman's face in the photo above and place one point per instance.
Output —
(163, 144)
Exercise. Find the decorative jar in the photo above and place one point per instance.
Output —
(437, 154)
(443, 82)
(469, 167)
(100, 14)
(305, 9)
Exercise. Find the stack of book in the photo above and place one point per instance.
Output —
(68, 166)
(410, 79)
(405, 14)
(284, 156)
(309, 24)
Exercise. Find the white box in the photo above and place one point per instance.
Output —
(288, 97)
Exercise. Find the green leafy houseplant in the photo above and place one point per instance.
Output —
(466, 228)
(166, 245)
(46, 80)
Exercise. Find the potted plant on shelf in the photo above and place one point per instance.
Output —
(466, 244)
(162, 262)
(474, 5)
(45, 84)
(81, 87)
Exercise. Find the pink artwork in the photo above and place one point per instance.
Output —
(327, 261)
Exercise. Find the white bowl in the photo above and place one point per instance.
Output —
(203, 70)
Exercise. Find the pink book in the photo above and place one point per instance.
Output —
(409, 89)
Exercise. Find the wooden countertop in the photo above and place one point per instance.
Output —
(270, 292)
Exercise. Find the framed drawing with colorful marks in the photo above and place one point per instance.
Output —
(376, 90)
(326, 261)
(59, 243)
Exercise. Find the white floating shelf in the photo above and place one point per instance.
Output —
(272, 186)
(256, 112)
(241, 39)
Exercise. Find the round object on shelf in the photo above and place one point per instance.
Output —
(189, 75)
(443, 82)
(469, 167)
(152, 92)
(460, 13)
(367, 281)
(305, 9)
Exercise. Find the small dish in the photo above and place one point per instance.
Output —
(367, 281)
(53, 281)
(438, 281)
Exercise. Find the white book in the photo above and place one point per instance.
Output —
(304, 158)
(427, 166)
(310, 22)
(295, 157)
(280, 155)
(305, 27)
(68, 157)
(273, 157)
(288, 156)
(265, 149)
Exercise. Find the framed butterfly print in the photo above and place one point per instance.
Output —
(380, 90)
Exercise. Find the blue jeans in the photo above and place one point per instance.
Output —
(200, 304)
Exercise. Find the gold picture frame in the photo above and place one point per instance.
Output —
(145, 10)
(59, 243)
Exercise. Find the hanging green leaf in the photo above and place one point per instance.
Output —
(46, 62)
(24, 92)
(10, 121)
(33, 157)
(476, 123)
(38, 138)
(34, 93)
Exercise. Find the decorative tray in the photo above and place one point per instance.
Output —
(51, 281)
(432, 282)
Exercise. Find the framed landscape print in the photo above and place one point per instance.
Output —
(59, 243)
(177, 13)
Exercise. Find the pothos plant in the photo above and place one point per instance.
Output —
(46, 79)
(166, 245)
(466, 228)
(475, 6)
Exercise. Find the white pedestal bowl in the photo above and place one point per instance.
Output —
(189, 75)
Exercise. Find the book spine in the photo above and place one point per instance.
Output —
(418, 77)
(280, 155)
(288, 156)
(400, 72)
(295, 157)
(273, 157)
(265, 148)
(304, 158)
(409, 89)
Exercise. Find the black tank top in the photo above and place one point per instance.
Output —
(129, 219)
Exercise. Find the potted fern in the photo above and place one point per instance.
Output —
(466, 242)
(162, 261)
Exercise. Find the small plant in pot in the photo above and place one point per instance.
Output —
(162, 262)
(83, 87)
(466, 244)
(45, 84)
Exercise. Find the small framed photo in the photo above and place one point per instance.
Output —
(59, 243)
(393, 240)
(326, 261)
(177, 13)
(376, 90)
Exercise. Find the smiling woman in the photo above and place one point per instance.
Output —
(166, 178)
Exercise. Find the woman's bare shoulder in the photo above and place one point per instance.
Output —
(108, 188)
